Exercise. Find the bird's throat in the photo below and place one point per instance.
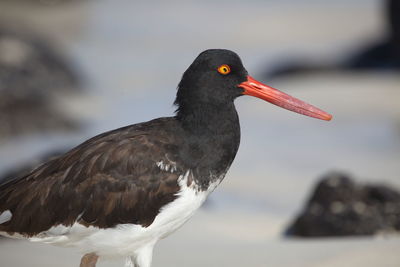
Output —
(213, 136)
(208, 119)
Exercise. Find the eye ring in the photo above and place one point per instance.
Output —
(224, 69)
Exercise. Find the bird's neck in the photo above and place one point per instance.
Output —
(205, 119)
(213, 137)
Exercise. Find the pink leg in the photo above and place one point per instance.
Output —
(89, 260)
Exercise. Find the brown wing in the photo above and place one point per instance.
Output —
(108, 180)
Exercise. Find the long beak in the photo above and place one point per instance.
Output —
(255, 88)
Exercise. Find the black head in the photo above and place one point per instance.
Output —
(212, 79)
(217, 77)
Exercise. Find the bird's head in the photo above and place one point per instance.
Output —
(217, 77)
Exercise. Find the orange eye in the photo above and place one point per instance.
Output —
(224, 69)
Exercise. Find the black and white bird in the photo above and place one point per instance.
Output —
(120, 192)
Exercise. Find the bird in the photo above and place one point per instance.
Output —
(118, 193)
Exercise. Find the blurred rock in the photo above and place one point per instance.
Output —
(29, 166)
(381, 55)
(384, 54)
(340, 207)
(32, 74)
(41, 2)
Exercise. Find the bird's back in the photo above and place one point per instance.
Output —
(113, 178)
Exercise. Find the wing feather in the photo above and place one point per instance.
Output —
(108, 180)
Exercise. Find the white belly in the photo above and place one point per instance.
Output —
(124, 239)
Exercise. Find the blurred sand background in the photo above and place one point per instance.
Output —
(132, 55)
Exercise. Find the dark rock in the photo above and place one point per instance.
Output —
(32, 74)
(341, 207)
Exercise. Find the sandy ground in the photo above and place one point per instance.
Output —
(130, 50)
(207, 241)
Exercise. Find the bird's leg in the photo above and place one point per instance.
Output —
(129, 262)
(143, 256)
(89, 260)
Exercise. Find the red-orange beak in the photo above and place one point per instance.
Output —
(255, 88)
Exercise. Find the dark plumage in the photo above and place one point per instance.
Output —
(108, 180)
(141, 182)
(113, 179)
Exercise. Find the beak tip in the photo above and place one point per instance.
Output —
(328, 117)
